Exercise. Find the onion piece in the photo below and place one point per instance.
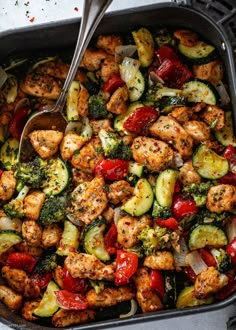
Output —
(180, 257)
(74, 126)
(117, 214)
(128, 69)
(153, 79)
(133, 309)
(123, 51)
(231, 230)
(195, 261)
(3, 77)
(224, 96)
(7, 223)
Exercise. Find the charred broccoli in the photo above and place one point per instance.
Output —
(222, 259)
(159, 211)
(46, 265)
(198, 191)
(97, 107)
(31, 173)
(205, 216)
(15, 208)
(153, 239)
(53, 210)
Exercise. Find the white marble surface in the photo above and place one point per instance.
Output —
(21, 13)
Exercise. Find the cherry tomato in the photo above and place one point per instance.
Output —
(140, 120)
(230, 154)
(41, 279)
(113, 82)
(189, 273)
(71, 301)
(183, 207)
(231, 250)
(166, 52)
(72, 284)
(207, 258)
(22, 260)
(18, 122)
(229, 178)
(112, 169)
(226, 291)
(169, 223)
(157, 282)
(110, 239)
(126, 266)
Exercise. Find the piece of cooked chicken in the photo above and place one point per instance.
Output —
(88, 201)
(212, 71)
(119, 191)
(46, 142)
(84, 265)
(209, 281)
(33, 203)
(154, 154)
(147, 298)
(41, 85)
(10, 298)
(92, 59)
(188, 175)
(28, 309)
(51, 235)
(31, 232)
(182, 114)
(221, 198)
(109, 43)
(70, 143)
(170, 131)
(186, 37)
(7, 185)
(198, 130)
(117, 103)
(99, 124)
(128, 228)
(109, 67)
(214, 117)
(64, 318)
(163, 260)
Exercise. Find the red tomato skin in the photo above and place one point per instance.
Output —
(71, 301)
(207, 258)
(41, 280)
(18, 122)
(140, 120)
(226, 291)
(112, 169)
(76, 285)
(231, 250)
(166, 52)
(110, 239)
(183, 207)
(126, 266)
(22, 260)
(230, 154)
(229, 178)
(113, 82)
(169, 223)
(157, 283)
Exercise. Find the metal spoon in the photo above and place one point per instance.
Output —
(51, 117)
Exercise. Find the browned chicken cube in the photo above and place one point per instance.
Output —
(109, 43)
(163, 260)
(7, 185)
(92, 59)
(45, 142)
(64, 318)
(10, 298)
(221, 198)
(33, 203)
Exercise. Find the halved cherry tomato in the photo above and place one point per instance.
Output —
(113, 82)
(189, 273)
(207, 258)
(72, 284)
(166, 52)
(110, 239)
(226, 291)
(18, 122)
(140, 120)
(157, 282)
(71, 301)
(231, 250)
(126, 266)
(229, 178)
(22, 260)
(183, 207)
(230, 154)
(112, 169)
(169, 223)
(41, 279)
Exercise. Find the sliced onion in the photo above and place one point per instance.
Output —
(3, 77)
(22, 103)
(129, 68)
(165, 91)
(133, 309)
(123, 51)
(7, 223)
(74, 126)
(153, 79)
(180, 257)
(231, 230)
(224, 96)
(117, 214)
(195, 261)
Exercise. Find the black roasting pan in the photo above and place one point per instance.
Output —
(63, 34)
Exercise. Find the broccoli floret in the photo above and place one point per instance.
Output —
(205, 216)
(152, 239)
(46, 265)
(159, 211)
(92, 84)
(53, 210)
(198, 192)
(222, 259)
(31, 173)
(97, 107)
(113, 146)
(138, 249)
(15, 208)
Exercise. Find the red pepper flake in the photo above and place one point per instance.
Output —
(76, 9)
(32, 19)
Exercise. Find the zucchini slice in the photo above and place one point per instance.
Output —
(93, 241)
(186, 298)
(58, 176)
(136, 87)
(136, 169)
(142, 200)
(206, 235)
(165, 185)
(8, 238)
(8, 153)
(69, 240)
(167, 105)
(200, 91)
(201, 53)
(120, 119)
(145, 45)
(226, 135)
(209, 164)
(72, 101)
(48, 305)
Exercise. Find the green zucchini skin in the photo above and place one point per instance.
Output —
(168, 104)
(198, 90)
(8, 238)
(8, 153)
(93, 242)
(186, 298)
(226, 135)
(48, 305)
(201, 53)
(165, 185)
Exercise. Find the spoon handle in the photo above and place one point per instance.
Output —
(93, 11)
